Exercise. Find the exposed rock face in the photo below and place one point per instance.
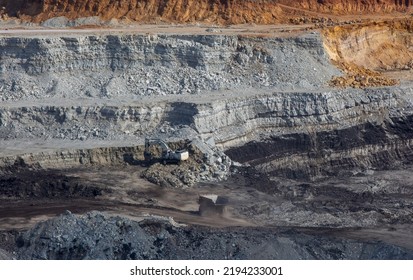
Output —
(79, 122)
(351, 6)
(300, 123)
(273, 89)
(135, 65)
(379, 46)
(373, 132)
(66, 158)
(96, 236)
(322, 132)
(295, 111)
(245, 11)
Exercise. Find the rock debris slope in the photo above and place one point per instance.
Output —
(136, 65)
(97, 236)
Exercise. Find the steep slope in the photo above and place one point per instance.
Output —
(379, 46)
(350, 6)
(136, 65)
(216, 11)
(366, 51)
(81, 88)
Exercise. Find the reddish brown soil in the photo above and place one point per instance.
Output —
(367, 50)
(213, 11)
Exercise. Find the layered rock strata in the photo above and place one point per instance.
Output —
(140, 65)
(230, 89)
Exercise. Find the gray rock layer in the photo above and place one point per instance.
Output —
(294, 134)
(108, 74)
(135, 65)
(95, 236)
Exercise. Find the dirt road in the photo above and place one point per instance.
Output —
(149, 29)
(123, 193)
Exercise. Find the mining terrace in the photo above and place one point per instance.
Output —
(304, 125)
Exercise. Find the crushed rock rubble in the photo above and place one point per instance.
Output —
(99, 236)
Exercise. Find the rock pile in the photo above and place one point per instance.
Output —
(206, 163)
(98, 236)
(360, 77)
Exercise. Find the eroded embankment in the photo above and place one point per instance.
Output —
(378, 46)
(366, 51)
(213, 11)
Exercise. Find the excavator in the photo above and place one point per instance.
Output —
(167, 155)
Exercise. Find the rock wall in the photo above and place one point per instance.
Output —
(230, 122)
(135, 65)
(294, 134)
(68, 158)
(373, 132)
(79, 122)
(231, 89)
(286, 112)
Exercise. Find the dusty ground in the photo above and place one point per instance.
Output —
(121, 191)
(241, 29)
(362, 207)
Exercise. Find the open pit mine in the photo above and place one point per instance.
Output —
(233, 130)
